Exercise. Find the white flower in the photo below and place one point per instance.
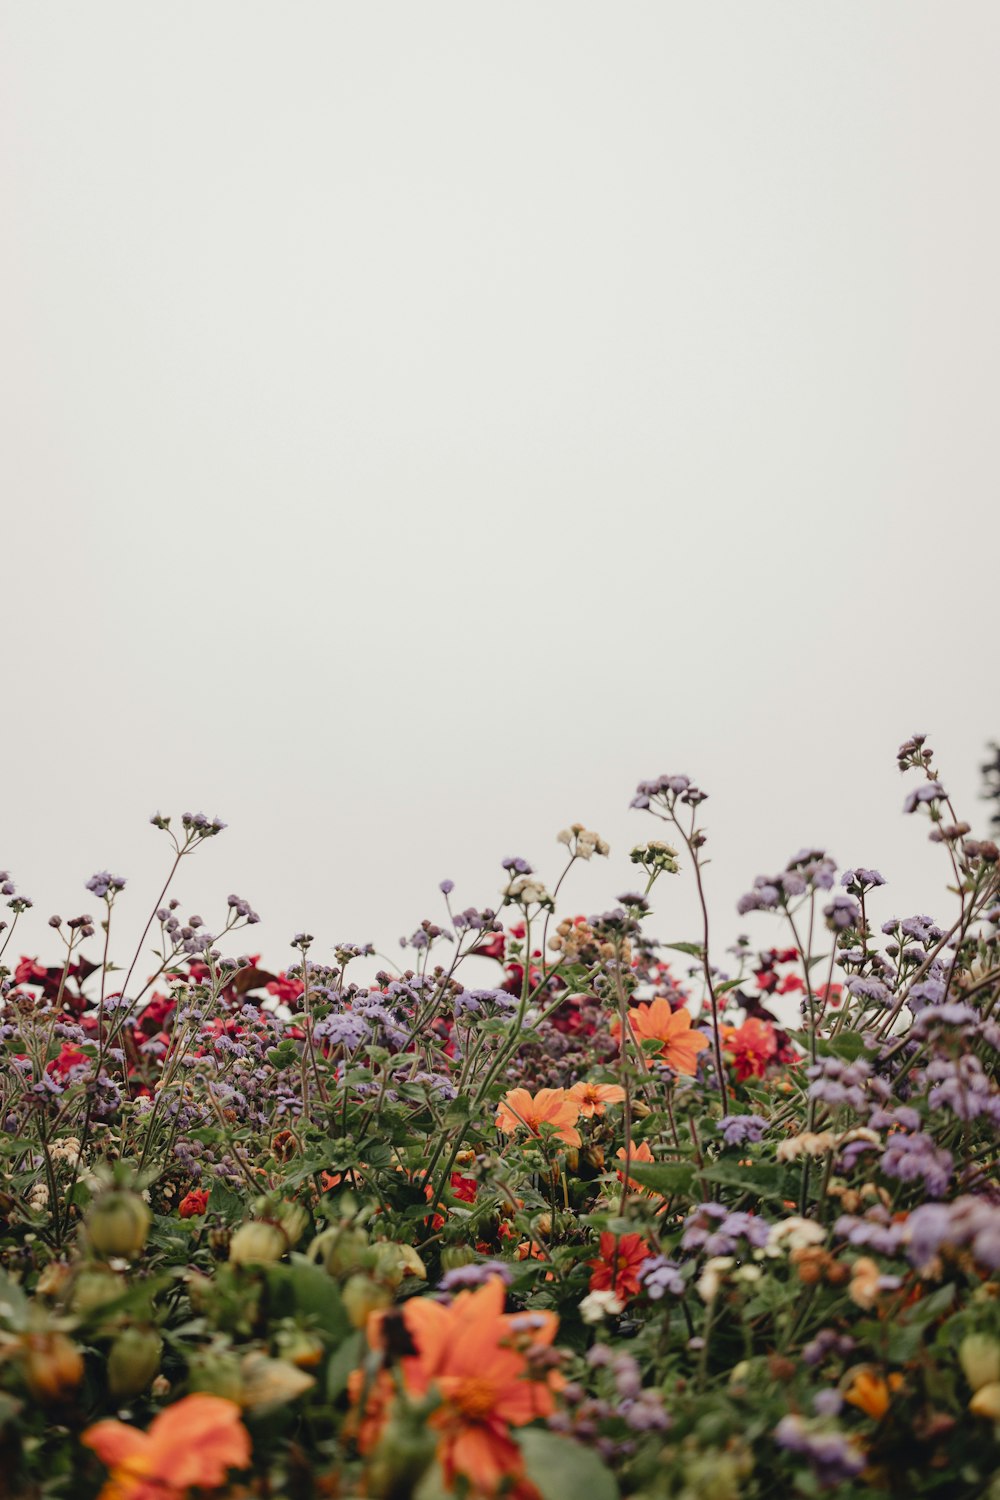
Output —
(711, 1278)
(600, 1305)
(794, 1234)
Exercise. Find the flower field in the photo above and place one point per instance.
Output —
(627, 1219)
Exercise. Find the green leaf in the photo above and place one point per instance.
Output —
(666, 1177)
(304, 1289)
(14, 1305)
(694, 949)
(562, 1469)
(759, 1180)
(342, 1361)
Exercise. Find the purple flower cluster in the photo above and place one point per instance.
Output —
(737, 1130)
(716, 1230)
(659, 1276)
(833, 1457)
(836, 1082)
(967, 1222)
(809, 869)
(916, 1158)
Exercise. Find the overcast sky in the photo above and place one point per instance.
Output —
(420, 422)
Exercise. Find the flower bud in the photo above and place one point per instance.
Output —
(986, 1401)
(294, 1220)
(54, 1278)
(53, 1367)
(257, 1243)
(93, 1288)
(362, 1296)
(117, 1224)
(216, 1373)
(453, 1257)
(345, 1251)
(133, 1361)
(979, 1356)
(300, 1348)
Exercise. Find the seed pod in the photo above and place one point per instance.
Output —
(216, 1373)
(257, 1243)
(118, 1225)
(979, 1356)
(133, 1361)
(362, 1296)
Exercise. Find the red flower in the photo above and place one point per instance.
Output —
(753, 1047)
(69, 1057)
(286, 990)
(29, 971)
(616, 1268)
(193, 1204)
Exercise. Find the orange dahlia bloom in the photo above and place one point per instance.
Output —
(592, 1097)
(518, 1109)
(471, 1354)
(681, 1043)
(192, 1444)
(638, 1153)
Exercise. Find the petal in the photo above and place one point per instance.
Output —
(196, 1441)
(114, 1442)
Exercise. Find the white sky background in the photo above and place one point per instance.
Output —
(420, 422)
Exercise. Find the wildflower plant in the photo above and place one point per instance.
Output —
(349, 1226)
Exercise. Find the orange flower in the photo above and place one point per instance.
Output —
(638, 1153)
(592, 1097)
(617, 1267)
(548, 1107)
(193, 1443)
(471, 1354)
(681, 1043)
(871, 1392)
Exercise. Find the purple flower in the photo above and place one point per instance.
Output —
(834, 1458)
(103, 882)
(842, 912)
(915, 1158)
(860, 880)
(873, 991)
(931, 791)
(477, 1273)
(738, 1129)
(926, 992)
(659, 1276)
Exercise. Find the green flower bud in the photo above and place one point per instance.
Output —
(361, 1297)
(133, 1361)
(979, 1356)
(345, 1251)
(455, 1256)
(117, 1224)
(93, 1288)
(217, 1373)
(257, 1243)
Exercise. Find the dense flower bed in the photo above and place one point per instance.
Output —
(628, 1220)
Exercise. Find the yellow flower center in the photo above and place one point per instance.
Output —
(474, 1398)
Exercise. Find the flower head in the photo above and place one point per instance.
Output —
(520, 1110)
(592, 1097)
(617, 1267)
(473, 1356)
(193, 1443)
(680, 1042)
